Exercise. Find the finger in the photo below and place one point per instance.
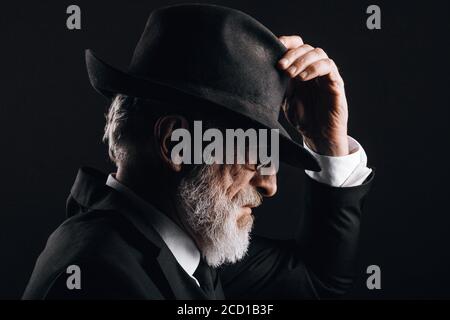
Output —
(304, 61)
(291, 42)
(293, 54)
(324, 67)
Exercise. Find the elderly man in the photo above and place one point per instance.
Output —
(160, 228)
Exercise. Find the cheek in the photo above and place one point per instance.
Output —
(238, 179)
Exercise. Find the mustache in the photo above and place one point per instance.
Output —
(248, 197)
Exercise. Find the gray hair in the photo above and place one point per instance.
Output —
(127, 123)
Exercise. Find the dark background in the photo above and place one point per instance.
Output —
(51, 123)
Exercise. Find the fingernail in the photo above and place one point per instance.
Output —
(284, 62)
(304, 74)
(292, 69)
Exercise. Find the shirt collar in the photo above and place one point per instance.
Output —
(179, 243)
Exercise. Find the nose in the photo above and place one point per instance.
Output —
(265, 184)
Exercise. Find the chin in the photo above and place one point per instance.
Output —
(232, 243)
(245, 220)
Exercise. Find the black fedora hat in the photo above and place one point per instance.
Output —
(207, 53)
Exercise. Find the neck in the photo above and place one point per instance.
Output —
(161, 195)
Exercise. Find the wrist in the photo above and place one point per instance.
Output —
(332, 147)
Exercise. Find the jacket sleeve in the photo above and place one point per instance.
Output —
(319, 264)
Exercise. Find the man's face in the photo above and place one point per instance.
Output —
(218, 201)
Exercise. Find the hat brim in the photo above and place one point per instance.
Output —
(110, 81)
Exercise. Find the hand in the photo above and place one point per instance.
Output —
(316, 103)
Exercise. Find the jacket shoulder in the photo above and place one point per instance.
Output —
(103, 245)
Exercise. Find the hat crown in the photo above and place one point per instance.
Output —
(209, 48)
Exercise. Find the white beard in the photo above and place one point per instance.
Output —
(212, 216)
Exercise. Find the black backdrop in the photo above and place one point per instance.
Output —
(51, 122)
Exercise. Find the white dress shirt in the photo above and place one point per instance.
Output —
(345, 171)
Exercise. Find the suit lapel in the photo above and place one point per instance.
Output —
(182, 286)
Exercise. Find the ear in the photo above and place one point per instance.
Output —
(164, 127)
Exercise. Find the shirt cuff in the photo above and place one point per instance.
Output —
(346, 171)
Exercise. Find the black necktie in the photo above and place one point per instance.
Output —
(203, 274)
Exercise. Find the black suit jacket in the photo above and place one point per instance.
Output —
(122, 257)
